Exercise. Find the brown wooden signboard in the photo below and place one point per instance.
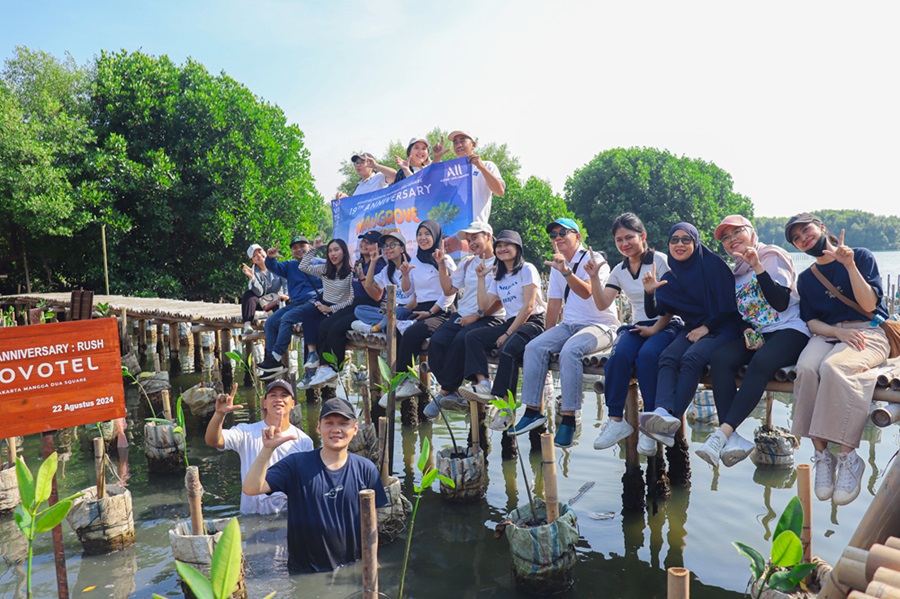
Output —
(55, 376)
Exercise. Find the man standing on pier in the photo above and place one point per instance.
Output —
(322, 488)
(246, 439)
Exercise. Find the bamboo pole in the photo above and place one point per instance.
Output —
(105, 261)
(770, 399)
(880, 589)
(166, 404)
(881, 556)
(678, 583)
(195, 494)
(476, 434)
(369, 543)
(382, 439)
(632, 459)
(551, 496)
(155, 362)
(99, 453)
(160, 336)
(887, 576)
(11, 447)
(859, 595)
(805, 494)
(883, 416)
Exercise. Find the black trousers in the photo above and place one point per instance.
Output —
(480, 342)
(782, 348)
(333, 330)
(249, 306)
(411, 341)
(447, 349)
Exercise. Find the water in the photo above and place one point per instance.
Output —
(888, 265)
(454, 553)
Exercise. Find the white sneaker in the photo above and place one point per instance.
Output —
(850, 468)
(659, 421)
(712, 447)
(500, 420)
(408, 388)
(612, 432)
(736, 449)
(383, 401)
(667, 440)
(324, 375)
(248, 328)
(402, 325)
(646, 445)
(361, 327)
(824, 464)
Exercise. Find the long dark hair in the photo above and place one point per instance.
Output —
(332, 272)
(631, 222)
(392, 268)
(518, 261)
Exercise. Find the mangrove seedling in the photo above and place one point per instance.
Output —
(245, 363)
(8, 317)
(224, 570)
(510, 405)
(179, 426)
(338, 368)
(428, 477)
(134, 381)
(103, 309)
(30, 518)
(786, 553)
(414, 374)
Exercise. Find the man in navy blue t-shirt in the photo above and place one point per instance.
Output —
(322, 488)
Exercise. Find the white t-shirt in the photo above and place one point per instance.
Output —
(382, 280)
(466, 279)
(246, 440)
(621, 279)
(757, 311)
(481, 193)
(373, 183)
(426, 282)
(578, 311)
(510, 289)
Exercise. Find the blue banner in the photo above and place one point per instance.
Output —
(441, 192)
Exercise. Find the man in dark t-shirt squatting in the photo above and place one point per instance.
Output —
(322, 488)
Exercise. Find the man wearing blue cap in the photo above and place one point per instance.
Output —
(584, 330)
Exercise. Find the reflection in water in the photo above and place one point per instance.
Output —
(113, 573)
(510, 475)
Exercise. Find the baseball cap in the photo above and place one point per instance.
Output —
(508, 236)
(371, 236)
(299, 239)
(413, 142)
(799, 219)
(280, 383)
(476, 227)
(360, 155)
(568, 223)
(252, 249)
(337, 405)
(393, 233)
(732, 220)
(454, 134)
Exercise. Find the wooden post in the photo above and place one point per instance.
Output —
(391, 333)
(11, 447)
(195, 495)
(99, 454)
(160, 335)
(142, 336)
(227, 374)
(632, 459)
(679, 583)
(473, 417)
(369, 543)
(174, 346)
(198, 351)
(551, 497)
(166, 404)
(156, 367)
(124, 336)
(804, 492)
(217, 350)
(248, 351)
(770, 399)
(374, 374)
(59, 553)
(105, 261)
(382, 439)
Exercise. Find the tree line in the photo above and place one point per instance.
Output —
(863, 229)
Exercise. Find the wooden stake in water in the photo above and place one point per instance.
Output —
(99, 454)
(678, 583)
(11, 446)
(476, 436)
(551, 496)
(195, 494)
(166, 404)
(382, 440)
(804, 492)
(369, 523)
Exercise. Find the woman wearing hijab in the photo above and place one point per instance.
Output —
(420, 276)
(774, 335)
(699, 288)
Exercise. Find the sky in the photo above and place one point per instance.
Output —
(794, 99)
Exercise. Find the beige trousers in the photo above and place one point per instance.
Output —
(834, 386)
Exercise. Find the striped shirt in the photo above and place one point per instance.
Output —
(337, 293)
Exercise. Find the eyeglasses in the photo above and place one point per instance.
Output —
(734, 233)
(461, 140)
(686, 240)
(391, 246)
(560, 233)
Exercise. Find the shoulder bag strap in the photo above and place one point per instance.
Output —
(834, 291)
(574, 269)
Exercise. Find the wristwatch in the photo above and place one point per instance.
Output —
(480, 313)
(567, 273)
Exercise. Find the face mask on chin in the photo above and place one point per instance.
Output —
(817, 250)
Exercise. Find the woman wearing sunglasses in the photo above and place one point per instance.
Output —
(774, 335)
(699, 288)
(835, 380)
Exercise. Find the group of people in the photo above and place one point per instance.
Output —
(689, 309)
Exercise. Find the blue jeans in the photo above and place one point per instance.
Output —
(681, 366)
(278, 325)
(374, 315)
(635, 354)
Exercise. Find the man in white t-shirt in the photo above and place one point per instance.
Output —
(584, 330)
(372, 176)
(246, 439)
(486, 179)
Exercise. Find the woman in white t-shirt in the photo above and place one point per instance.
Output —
(372, 319)
(517, 285)
(766, 290)
(638, 345)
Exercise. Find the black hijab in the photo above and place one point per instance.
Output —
(427, 256)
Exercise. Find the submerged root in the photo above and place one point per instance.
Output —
(679, 463)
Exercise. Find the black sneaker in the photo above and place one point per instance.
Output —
(269, 364)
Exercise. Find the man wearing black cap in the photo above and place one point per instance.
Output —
(322, 488)
(303, 289)
(246, 439)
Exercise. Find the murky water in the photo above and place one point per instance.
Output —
(454, 553)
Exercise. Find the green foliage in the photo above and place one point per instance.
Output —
(444, 213)
(103, 309)
(245, 363)
(134, 381)
(786, 552)
(413, 373)
(863, 229)
(29, 517)
(8, 317)
(660, 188)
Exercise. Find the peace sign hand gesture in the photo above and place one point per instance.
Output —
(225, 403)
(593, 267)
(842, 253)
(650, 282)
(318, 242)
